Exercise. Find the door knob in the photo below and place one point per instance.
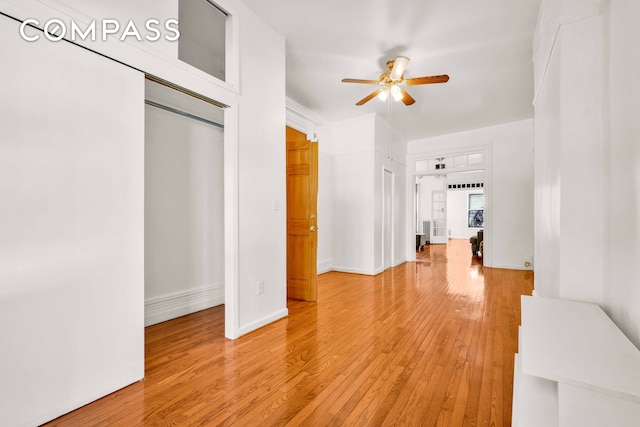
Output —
(313, 228)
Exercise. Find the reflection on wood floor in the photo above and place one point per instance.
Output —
(425, 343)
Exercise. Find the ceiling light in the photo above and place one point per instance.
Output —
(384, 94)
(395, 92)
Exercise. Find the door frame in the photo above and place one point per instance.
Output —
(412, 174)
(305, 121)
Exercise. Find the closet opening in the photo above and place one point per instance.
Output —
(183, 202)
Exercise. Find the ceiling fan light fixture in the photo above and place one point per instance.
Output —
(383, 95)
(395, 92)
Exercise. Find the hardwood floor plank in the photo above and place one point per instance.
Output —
(425, 343)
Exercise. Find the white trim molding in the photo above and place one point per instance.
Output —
(175, 304)
(263, 321)
(356, 271)
(325, 266)
(303, 120)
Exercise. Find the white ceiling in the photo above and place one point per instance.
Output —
(484, 46)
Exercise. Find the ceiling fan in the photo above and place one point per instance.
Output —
(391, 80)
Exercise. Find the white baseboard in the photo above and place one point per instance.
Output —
(396, 263)
(175, 304)
(262, 322)
(353, 270)
(325, 266)
(399, 262)
(510, 267)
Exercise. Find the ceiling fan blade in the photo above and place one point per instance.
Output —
(427, 80)
(369, 97)
(399, 65)
(371, 82)
(406, 98)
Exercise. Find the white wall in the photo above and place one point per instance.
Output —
(351, 143)
(587, 159)
(159, 58)
(72, 223)
(262, 174)
(325, 210)
(622, 186)
(569, 147)
(390, 155)
(184, 215)
(458, 213)
(360, 150)
(511, 198)
(508, 151)
(254, 172)
(253, 134)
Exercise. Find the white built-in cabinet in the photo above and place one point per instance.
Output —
(574, 368)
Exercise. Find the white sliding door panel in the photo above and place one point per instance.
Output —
(71, 227)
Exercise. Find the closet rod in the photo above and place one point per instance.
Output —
(184, 114)
(186, 91)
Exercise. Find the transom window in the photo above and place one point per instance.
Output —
(202, 41)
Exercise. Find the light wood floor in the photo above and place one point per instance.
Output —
(426, 343)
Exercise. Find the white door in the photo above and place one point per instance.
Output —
(72, 227)
(438, 217)
(387, 221)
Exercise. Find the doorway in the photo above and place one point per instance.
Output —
(442, 185)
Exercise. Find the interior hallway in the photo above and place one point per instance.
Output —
(425, 343)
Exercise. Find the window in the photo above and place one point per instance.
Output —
(476, 210)
(202, 36)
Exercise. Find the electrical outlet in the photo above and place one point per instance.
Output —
(260, 288)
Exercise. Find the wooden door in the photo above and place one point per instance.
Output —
(302, 225)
